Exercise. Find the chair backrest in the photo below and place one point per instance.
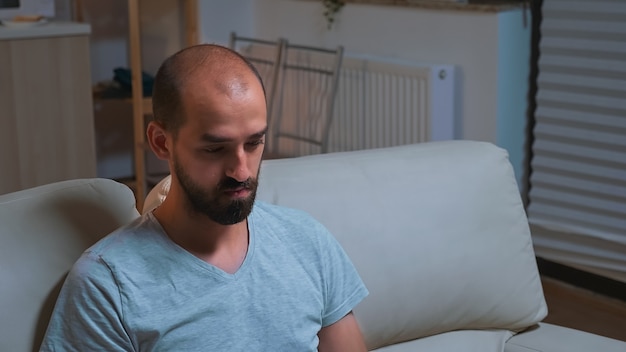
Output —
(43, 231)
(265, 55)
(309, 78)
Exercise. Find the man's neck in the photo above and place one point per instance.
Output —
(223, 246)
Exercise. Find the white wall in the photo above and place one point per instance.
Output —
(491, 50)
(218, 18)
(513, 75)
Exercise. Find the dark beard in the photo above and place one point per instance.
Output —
(224, 213)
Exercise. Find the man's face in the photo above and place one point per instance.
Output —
(216, 154)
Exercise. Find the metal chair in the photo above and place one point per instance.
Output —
(265, 55)
(309, 78)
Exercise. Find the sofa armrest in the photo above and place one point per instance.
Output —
(43, 231)
(552, 338)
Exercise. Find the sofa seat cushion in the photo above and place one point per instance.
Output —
(455, 341)
(552, 338)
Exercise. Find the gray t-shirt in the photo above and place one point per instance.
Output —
(136, 290)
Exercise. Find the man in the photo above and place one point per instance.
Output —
(210, 269)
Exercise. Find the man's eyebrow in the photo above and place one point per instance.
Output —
(210, 138)
(259, 134)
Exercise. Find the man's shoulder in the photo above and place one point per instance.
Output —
(129, 246)
(124, 242)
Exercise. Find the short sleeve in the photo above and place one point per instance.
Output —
(88, 312)
(343, 287)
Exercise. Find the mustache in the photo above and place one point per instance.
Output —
(230, 184)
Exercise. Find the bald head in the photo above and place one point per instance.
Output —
(223, 69)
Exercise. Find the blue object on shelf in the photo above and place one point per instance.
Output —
(123, 76)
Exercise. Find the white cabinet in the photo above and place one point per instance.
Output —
(46, 115)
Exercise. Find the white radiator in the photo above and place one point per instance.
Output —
(383, 102)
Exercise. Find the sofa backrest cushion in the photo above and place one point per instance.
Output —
(43, 230)
(437, 231)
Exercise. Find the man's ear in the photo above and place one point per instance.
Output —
(157, 139)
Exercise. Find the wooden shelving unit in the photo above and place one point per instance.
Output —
(143, 106)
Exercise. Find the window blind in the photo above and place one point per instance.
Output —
(577, 197)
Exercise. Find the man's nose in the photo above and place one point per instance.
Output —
(237, 167)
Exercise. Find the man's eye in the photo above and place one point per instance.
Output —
(256, 142)
(213, 150)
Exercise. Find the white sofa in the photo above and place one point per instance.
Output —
(437, 231)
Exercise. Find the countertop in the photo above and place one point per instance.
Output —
(44, 30)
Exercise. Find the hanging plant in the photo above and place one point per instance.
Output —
(331, 9)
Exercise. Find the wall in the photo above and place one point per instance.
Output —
(491, 50)
(513, 75)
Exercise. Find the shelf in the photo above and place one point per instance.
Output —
(46, 30)
(143, 106)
